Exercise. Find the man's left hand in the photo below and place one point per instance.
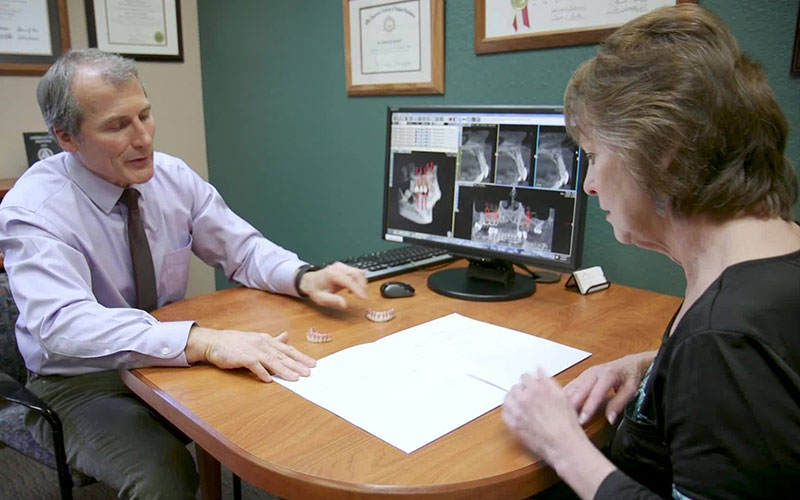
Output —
(321, 286)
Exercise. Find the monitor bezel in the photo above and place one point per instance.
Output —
(480, 253)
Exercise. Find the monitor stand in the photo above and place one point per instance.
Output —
(483, 280)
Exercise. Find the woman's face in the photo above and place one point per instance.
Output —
(629, 208)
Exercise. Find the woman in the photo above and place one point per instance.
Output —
(686, 155)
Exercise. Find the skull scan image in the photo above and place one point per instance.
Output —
(475, 155)
(513, 224)
(552, 160)
(417, 201)
(513, 157)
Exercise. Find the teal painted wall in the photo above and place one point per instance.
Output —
(304, 163)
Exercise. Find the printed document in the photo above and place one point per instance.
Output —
(414, 386)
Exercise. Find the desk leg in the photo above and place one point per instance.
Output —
(210, 477)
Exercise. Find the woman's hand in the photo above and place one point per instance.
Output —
(588, 392)
(538, 411)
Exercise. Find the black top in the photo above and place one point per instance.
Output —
(718, 413)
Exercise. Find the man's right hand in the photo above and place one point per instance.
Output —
(260, 353)
(588, 392)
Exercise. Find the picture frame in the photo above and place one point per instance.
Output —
(394, 47)
(147, 30)
(45, 37)
(513, 25)
(795, 69)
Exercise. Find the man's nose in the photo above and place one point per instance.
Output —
(143, 136)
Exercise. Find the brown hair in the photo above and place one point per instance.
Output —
(673, 82)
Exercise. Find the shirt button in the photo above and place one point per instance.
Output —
(108, 351)
(165, 350)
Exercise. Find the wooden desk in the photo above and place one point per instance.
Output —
(282, 443)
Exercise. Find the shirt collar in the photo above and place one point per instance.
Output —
(102, 193)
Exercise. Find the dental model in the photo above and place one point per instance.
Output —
(318, 337)
(380, 316)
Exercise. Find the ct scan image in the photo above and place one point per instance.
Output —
(556, 160)
(514, 149)
(421, 194)
(512, 223)
(477, 154)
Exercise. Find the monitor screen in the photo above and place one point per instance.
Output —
(486, 182)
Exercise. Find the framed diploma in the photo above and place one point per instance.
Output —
(394, 46)
(33, 34)
(146, 30)
(506, 25)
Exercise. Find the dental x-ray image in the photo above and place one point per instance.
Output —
(556, 159)
(511, 223)
(477, 154)
(529, 219)
(514, 149)
(421, 193)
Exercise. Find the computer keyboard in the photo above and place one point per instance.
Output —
(397, 260)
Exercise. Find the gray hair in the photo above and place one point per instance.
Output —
(60, 108)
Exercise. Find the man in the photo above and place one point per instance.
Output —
(72, 231)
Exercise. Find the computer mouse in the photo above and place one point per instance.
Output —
(396, 289)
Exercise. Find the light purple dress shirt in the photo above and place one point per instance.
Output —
(64, 238)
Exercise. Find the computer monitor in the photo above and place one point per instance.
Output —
(499, 185)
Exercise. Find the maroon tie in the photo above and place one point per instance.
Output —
(144, 277)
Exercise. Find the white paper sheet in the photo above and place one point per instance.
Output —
(415, 386)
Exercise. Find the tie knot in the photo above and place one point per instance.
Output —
(130, 197)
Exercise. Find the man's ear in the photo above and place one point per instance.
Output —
(66, 140)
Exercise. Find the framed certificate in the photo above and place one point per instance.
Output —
(506, 25)
(394, 46)
(33, 34)
(146, 30)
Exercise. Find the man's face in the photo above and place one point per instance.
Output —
(115, 141)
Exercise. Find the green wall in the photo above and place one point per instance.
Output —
(304, 163)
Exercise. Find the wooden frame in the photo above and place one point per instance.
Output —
(590, 33)
(426, 78)
(166, 45)
(796, 52)
(18, 64)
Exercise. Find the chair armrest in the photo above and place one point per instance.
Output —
(14, 392)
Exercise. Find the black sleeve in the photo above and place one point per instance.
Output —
(618, 485)
(731, 419)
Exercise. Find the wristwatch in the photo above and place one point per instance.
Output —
(302, 270)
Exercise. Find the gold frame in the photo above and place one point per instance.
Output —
(484, 45)
(30, 65)
(434, 86)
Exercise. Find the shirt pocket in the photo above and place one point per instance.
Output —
(175, 277)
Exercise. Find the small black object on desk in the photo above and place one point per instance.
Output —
(396, 289)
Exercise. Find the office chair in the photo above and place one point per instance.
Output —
(15, 400)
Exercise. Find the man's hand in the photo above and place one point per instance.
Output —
(260, 353)
(321, 286)
(588, 392)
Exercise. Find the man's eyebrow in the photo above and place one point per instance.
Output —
(112, 119)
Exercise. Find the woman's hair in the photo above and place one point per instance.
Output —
(60, 108)
(673, 84)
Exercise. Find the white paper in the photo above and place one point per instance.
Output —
(415, 386)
